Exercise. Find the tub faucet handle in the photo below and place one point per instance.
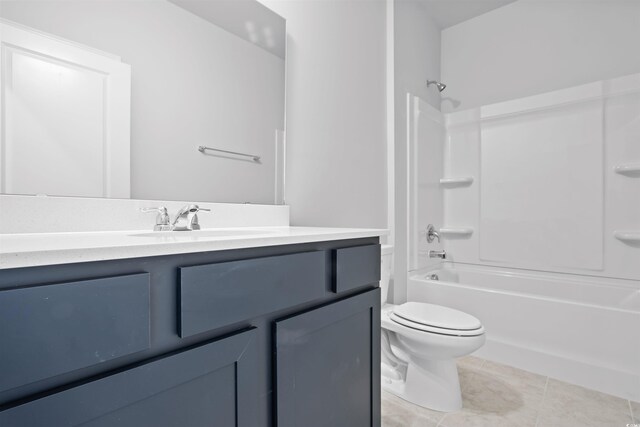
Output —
(432, 234)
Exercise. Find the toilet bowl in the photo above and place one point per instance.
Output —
(420, 343)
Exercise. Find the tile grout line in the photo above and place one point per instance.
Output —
(441, 420)
(544, 395)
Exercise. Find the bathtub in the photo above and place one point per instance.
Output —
(580, 329)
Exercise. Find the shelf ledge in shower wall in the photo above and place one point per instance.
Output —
(456, 231)
(456, 181)
(628, 169)
(627, 236)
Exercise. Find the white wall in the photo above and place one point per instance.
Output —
(416, 60)
(531, 46)
(192, 84)
(417, 53)
(336, 141)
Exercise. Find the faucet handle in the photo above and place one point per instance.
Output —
(199, 209)
(432, 234)
(194, 209)
(187, 218)
(162, 219)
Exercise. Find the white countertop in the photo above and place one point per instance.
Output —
(30, 250)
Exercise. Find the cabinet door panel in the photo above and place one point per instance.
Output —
(210, 385)
(328, 365)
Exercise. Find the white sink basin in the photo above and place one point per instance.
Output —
(190, 235)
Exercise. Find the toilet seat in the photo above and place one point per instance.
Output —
(436, 319)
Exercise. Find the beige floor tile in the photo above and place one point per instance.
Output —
(399, 413)
(530, 386)
(635, 408)
(470, 362)
(514, 375)
(465, 374)
(495, 401)
(525, 418)
(496, 395)
(568, 405)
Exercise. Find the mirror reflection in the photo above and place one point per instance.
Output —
(168, 100)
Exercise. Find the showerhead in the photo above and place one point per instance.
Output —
(440, 86)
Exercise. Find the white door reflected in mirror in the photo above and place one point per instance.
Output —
(65, 117)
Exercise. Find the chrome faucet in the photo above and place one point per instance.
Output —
(162, 218)
(432, 234)
(438, 254)
(187, 219)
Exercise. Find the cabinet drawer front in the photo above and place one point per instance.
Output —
(356, 267)
(215, 295)
(210, 385)
(53, 329)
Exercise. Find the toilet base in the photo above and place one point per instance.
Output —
(432, 384)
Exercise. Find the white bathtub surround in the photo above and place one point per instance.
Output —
(35, 214)
(427, 131)
(579, 329)
(549, 194)
(34, 249)
(551, 267)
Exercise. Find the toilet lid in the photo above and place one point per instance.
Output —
(436, 316)
(432, 329)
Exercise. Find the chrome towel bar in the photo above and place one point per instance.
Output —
(202, 148)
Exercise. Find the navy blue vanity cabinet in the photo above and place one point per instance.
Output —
(212, 384)
(328, 365)
(199, 339)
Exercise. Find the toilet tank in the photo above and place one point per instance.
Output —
(386, 267)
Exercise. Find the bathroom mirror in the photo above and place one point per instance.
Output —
(133, 99)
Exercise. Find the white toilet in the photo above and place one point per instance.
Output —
(420, 343)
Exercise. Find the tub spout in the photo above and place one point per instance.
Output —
(438, 254)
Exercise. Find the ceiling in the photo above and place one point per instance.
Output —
(249, 20)
(451, 12)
